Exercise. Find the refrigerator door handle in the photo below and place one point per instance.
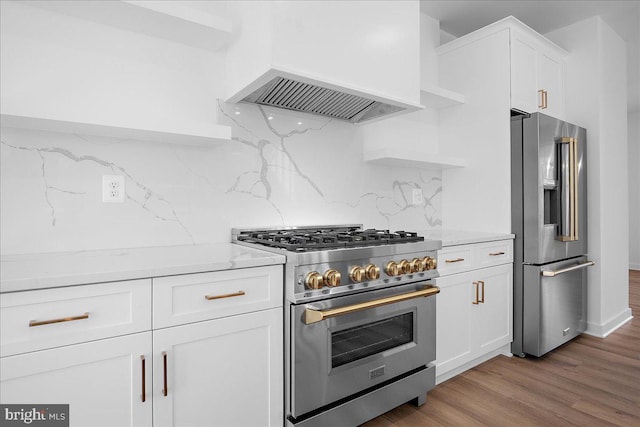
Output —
(568, 154)
(550, 273)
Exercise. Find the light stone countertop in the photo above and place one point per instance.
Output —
(461, 237)
(47, 270)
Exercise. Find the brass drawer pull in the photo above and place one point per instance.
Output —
(475, 284)
(454, 260)
(482, 293)
(144, 376)
(496, 253)
(165, 389)
(236, 294)
(33, 323)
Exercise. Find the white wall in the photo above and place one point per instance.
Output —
(293, 169)
(634, 189)
(596, 71)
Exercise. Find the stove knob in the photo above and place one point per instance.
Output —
(404, 267)
(391, 268)
(357, 274)
(313, 280)
(416, 265)
(429, 263)
(372, 271)
(332, 278)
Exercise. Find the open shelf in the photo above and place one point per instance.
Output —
(215, 134)
(390, 157)
(437, 97)
(168, 20)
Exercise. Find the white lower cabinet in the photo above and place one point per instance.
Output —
(474, 315)
(101, 381)
(494, 314)
(208, 367)
(224, 372)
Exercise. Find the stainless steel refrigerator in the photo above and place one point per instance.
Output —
(549, 220)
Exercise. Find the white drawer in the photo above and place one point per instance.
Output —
(493, 253)
(35, 320)
(455, 259)
(194, 297)
(461, 258)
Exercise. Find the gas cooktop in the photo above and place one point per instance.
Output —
(302, 239)
(333, 260)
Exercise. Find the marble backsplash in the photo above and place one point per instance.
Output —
(281, 168)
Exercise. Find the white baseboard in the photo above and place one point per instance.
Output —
(634, 266)
(602, 330)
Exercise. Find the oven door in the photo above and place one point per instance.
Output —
(345, 345)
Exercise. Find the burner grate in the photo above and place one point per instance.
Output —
(301, 240)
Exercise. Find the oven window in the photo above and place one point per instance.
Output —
(356, 343)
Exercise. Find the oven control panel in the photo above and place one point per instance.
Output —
(340, 277)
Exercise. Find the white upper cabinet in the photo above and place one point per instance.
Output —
(371, 50)
(536, 65)
(537, 73)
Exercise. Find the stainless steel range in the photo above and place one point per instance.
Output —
(360, 319)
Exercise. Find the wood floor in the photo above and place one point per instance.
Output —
(587, 382)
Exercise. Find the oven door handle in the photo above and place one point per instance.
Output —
(314, 316)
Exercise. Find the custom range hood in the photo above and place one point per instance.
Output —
(357, 61)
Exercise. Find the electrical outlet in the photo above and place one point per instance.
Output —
(417, 198)
(113, 188)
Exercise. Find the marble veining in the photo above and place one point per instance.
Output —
(148, 200)
(280, 168)
(256, 183)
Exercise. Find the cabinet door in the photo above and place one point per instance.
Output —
(226, 372)
(100, 380)
(453, 321)
(524, 86)
(492, 317)
(550, 80)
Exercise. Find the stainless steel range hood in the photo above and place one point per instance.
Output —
(367, 67)
(296, 95)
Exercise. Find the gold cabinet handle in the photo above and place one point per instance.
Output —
(481, 282)
(496, 253)
(33, 323)
(548, 273)
(476, 301)
(235, 294)
(543, 99)
(541, 93)
(313, 316)
(144, 377)
(165, 389)
(454, 260)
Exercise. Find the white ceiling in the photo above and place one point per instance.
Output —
(462, 17)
